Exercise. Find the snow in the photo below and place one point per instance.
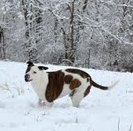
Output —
(99, 111)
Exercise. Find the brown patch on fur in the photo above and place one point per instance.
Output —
(87, 91)
(55, 85)
(88, 79)
(68, 79)
(79, 72)
(74, 84)
(72, 93)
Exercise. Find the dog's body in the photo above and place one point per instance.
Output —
(52, 85)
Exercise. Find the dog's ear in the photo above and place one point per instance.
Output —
(42, 68)
(30, 63)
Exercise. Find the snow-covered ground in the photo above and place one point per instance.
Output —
(99, 111)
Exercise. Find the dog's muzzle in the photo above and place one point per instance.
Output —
(27, 78)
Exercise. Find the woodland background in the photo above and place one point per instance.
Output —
(84, 33)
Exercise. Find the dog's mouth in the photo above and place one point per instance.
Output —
(28, 80)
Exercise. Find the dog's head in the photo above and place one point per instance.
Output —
(33, 71)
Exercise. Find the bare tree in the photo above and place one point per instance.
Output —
(33, 20)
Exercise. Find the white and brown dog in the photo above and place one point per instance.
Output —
(52, 85)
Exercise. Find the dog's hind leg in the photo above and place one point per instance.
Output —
(78, 94)
(49, 104)
(76, 97)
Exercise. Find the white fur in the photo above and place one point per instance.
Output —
(113, 85)
(66, 90)
(79, 92)
(39, 85)
(40, 81)
(66, 87)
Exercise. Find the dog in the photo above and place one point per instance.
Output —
(50, 85)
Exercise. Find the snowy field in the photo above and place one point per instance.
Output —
(99, 111)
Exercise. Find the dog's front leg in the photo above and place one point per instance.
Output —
(41, 102)
(49, 104)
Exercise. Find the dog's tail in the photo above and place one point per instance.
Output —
(104, 87)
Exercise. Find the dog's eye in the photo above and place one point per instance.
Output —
(34, 72)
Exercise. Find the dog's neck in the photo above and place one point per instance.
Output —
(40, 84)
(38, 80)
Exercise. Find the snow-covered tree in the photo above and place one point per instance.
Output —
(87, 33)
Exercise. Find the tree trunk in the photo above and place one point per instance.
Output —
(2, 44)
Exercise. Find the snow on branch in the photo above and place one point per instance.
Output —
(119, 5)
(124, 5)
(95, 24)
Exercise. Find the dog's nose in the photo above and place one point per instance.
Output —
(27, 77)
